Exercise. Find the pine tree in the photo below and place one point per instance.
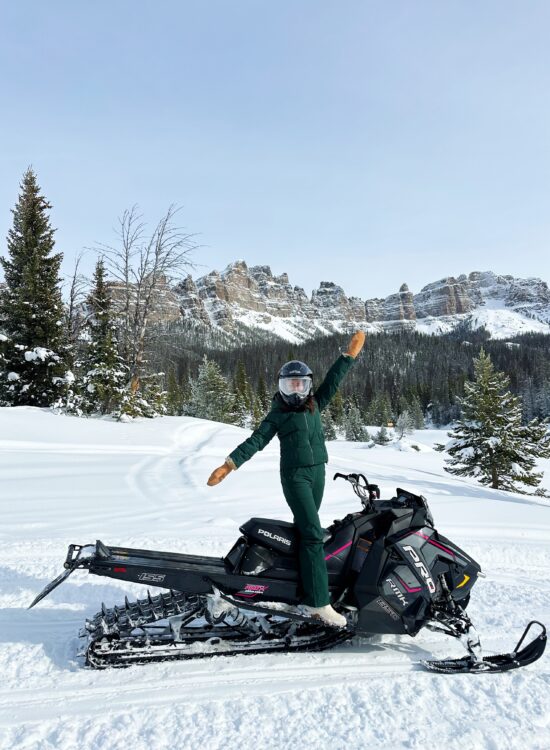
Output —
(258, 413)
(404, 405)
(3, 340)
(31, 308)
(174, 397)
(336, 408)
(379, 410)
(416, 414)
(185, 390)
(211, 396)
(243, 399)
(404, 425)
(354, 427)
(542, 400)
(489, 441)
(149, 401)
(382, 437)
(263, 396)
(104, 385)
(261, 402)
(328, 425)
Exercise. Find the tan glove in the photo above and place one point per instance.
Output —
(218, 474)
(356, 344)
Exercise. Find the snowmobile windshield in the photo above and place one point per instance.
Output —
(299, 386)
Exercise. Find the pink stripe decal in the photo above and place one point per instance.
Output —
(409, 590)
(448, 551)
(332, 554)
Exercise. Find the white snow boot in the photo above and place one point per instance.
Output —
(326, 614)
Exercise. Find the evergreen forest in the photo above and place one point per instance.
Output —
(394, 371)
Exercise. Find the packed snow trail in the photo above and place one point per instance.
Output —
(143, 484)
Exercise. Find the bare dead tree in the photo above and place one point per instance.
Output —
(75, 316)
(121, 260)
(140, 262)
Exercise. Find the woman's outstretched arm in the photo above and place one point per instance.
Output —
(326, 391)
(256, 442)
(266, 430)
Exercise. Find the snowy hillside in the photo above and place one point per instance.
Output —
(69, 480)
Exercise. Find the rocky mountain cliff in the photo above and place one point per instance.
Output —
(253, 297)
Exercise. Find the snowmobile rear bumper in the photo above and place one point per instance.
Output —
(76, 558)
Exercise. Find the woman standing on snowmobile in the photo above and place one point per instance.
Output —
(295, 418)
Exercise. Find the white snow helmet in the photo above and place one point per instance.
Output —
(295, 382)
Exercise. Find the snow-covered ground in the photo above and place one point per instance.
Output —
(142, 484)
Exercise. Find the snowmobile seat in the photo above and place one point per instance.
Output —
(280, 536)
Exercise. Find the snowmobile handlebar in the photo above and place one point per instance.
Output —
(364, 490)
(369, 493)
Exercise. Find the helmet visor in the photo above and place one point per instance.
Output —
(298, 385)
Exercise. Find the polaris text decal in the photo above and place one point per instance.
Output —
(274, 536)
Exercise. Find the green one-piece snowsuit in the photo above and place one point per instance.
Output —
(303, 458)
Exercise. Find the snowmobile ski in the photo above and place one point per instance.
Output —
(519, 657)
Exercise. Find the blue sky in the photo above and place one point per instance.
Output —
(366, 143)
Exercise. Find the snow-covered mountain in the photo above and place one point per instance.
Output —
(143, 484)
(255, 298)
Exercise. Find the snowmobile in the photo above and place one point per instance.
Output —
(390, 572)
